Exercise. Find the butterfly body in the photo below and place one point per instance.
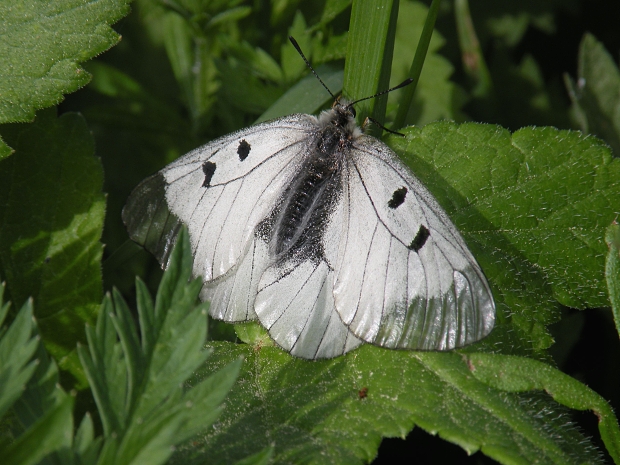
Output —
(321, 234)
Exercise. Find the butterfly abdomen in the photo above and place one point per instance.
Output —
(308, 201)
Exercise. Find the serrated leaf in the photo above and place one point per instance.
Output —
(292, 64)
(332, 9)
(104, 367)
(18, 344)
(5, 150)
(84, 438)
(51, 219)
(42, 46)
(44, 413)
(508, 22)
(52, 432)
(612, 270)
(139, 384)
(205, 399)
(538, 199)
(499, 183)
(264, 457)
(42, 393)
(596, 95)
(45, 419)
(519, 374)
(313, 412)
(171, 363)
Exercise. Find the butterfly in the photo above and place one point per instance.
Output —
(320, 233)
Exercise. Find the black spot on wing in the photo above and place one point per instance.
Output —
(243, 150)
(208, 168)
(420, 239)
(398, 197)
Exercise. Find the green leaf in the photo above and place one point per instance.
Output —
(522, 96)
(42, 46)
(368, 64)
(519, 374)
(42, 394)
(105, 363)
(437, 96)
(307, 96)
(18, 344)
(534, 200)
(263, 64)
(494, 179)
(508, 22)
(254, 334)
(138, 383)
(205, 398)
(292, 64)
(230, 16)
(264, 457)
(332, 9)
(85, 444)
(596, 94)
(612, 270)
(5, 150)
(51, 219)
(312, 411)
(43, 410)
(474, 63)
(51, 432)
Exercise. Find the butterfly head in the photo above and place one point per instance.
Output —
(344, 106)
(342, 117)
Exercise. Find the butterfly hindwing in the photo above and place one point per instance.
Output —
(295, 303)
(233, 297)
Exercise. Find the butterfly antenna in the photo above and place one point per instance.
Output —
(406, 82)
(298, 48)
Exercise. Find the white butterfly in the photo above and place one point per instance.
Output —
(320, 233)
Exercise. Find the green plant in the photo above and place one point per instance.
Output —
(137, 380)
(534, 206)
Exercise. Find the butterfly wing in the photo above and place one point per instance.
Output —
(295, 300)
(404, 277)
(221, 191)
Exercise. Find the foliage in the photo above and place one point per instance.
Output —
(536, 205)
(138, 382)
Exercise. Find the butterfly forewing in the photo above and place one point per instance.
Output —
(210, 189)
(149, 220)
(405, 278)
